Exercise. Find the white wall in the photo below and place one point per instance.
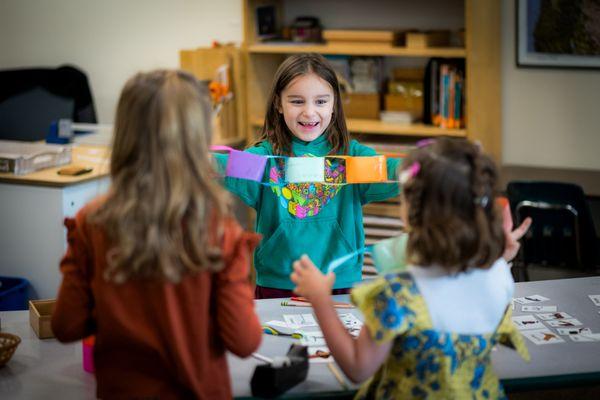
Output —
(111, 39)
(550, 117)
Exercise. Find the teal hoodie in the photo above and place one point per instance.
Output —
(323, 221)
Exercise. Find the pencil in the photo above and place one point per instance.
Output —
(262, 358)
(337, 374)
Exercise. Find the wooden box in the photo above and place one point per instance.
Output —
(428, 39)
(355, 35)
(40, 313)
(361, 105)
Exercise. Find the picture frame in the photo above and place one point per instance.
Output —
(557, 34)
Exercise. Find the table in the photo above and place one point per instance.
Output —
(41, 367)
(32, 237)
(560, 364)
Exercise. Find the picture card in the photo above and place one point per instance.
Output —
(350, 321)
(543, 336)
(535, 298)
(595, 298)
(312, 341)
(564, 323)
(573, 331)
(538, 308)
(300, 320)
(592, 337)
(526, 322)
(556, 315)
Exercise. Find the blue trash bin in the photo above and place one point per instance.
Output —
(14, 293)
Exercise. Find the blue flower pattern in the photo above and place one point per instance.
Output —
(423, 362)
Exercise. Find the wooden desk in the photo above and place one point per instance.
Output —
(97, 157)
(39, 367)
(32, 237)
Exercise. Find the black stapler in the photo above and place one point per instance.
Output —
(272, 379)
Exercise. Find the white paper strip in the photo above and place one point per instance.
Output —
(305, 169)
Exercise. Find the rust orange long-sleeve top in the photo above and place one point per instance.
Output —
(156, 339)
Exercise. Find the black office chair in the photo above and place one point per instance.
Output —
(31, 99)
(562, 233)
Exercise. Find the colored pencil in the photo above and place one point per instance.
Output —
(337, 374)
(262, 358)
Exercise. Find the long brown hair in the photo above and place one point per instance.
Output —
(276, 132)
(164, 209)
(453, 218)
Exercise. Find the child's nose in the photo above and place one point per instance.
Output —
(309, 110)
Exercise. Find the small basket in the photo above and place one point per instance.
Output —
(8, 345)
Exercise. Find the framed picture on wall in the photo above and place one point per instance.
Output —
(558, 33)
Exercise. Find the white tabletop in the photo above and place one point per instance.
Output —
(42, 367)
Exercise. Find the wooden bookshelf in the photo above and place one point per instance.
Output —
(481, 52)
(376, 127)
(358, 50)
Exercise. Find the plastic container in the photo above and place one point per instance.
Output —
(14, 293)
(21, 158)
(88, 354)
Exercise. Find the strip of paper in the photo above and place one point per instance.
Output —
(305, 169)
(366, 169)
(244, 165)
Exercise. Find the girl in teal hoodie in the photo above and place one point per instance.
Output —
(305, 119)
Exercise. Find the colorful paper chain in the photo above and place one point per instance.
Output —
(245, 165)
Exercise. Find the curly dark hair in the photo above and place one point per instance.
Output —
(453, 218)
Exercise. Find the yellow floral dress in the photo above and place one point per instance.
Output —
(423, 362)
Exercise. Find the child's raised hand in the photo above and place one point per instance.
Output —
(310, 282)
(512, 239)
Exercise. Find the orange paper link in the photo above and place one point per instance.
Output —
(366, 169)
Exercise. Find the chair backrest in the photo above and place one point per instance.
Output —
(563, 231)
(31, 99)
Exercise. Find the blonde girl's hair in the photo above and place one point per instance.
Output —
(276, 132)
(453, 218)
(163, 214)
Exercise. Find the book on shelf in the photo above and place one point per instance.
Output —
(444, 97)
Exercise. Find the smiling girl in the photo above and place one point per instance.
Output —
(305, 119)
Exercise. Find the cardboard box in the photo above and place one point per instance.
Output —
(400, 102)
(40, 313)
(361, 105)
(361, 36)
(428, 39)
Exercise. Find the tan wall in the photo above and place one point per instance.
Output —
(550, 117)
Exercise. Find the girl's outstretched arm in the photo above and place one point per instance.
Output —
(360, 358)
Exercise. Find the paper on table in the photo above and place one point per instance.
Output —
(300, 320)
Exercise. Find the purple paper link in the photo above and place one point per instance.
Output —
(425, 142)
(242, 164)
(217, 147)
